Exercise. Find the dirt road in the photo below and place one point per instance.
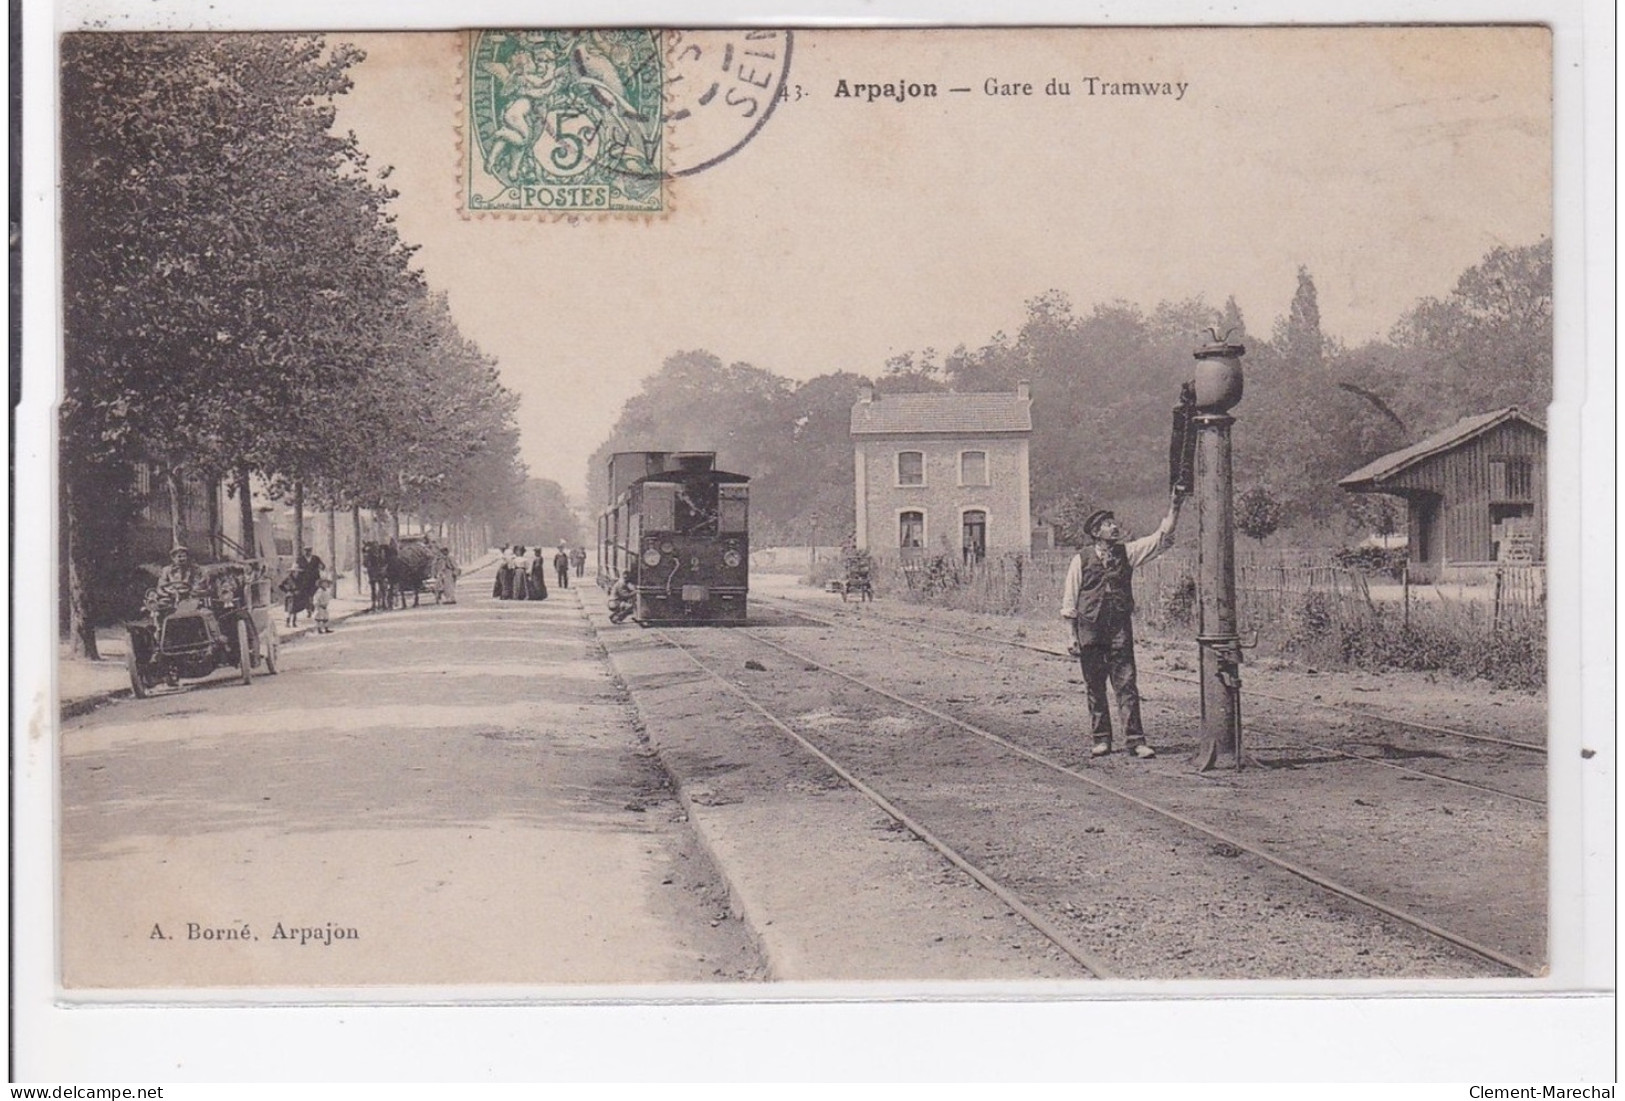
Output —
(441, 795)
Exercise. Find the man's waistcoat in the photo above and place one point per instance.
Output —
(1105, 595)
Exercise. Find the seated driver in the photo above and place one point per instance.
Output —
(181, 578)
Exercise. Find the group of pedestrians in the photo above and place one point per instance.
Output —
(307, 589)
(521, 573)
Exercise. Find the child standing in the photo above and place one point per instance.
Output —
(320, 602)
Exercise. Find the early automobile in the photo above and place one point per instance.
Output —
(225, 621)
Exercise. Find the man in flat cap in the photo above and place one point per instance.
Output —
(1099, 601)
(181, 578)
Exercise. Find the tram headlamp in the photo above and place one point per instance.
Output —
(651, 557)
(667, 547)
(730, 558)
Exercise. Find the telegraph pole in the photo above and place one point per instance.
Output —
(1217, 390)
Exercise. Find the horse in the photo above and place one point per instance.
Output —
(377, 558)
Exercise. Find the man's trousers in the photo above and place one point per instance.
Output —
(1116, 664)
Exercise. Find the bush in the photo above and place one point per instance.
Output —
(1458, 640)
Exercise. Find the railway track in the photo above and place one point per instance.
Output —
(1366, 715)
(966, 748)
(1353, 714)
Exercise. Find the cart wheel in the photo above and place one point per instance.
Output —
(269, 645)
(245, 653)
(137, 684)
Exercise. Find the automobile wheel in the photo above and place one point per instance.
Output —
(137, 684)
(269, 645)
(245, 653)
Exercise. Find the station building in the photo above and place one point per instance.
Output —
(1475, 494)
(942, 473)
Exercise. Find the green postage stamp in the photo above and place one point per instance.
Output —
(565, 122)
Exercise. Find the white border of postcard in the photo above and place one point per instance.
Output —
(1563, 1035)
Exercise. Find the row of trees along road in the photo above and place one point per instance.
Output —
(238, 305)
(1103, 384)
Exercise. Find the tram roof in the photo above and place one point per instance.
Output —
(685, 476)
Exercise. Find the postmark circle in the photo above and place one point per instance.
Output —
(722, 85)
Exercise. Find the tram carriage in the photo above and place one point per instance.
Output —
(678, 529)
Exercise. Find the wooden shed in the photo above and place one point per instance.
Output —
(1475, 493)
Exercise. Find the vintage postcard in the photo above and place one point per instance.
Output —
(550, 514)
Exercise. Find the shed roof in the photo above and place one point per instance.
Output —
(1377, 471)
(948, 413)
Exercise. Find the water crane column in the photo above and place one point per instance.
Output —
(1217, 390)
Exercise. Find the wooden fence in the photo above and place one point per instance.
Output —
(1268, 588)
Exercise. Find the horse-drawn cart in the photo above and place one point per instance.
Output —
(405, 568)
(224, 622)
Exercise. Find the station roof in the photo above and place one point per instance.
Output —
(956, 414)
(1380, 470)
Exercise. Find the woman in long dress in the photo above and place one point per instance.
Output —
(520, 589)
(538, 576)
(502, 588)
(448, 577)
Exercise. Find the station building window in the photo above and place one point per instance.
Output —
(973, 468)
(911, 530)
(911, 468)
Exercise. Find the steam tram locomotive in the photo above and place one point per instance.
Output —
(678, 529)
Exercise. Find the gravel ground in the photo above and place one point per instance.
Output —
(1152, 898)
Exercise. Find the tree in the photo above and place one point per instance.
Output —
(237, 300)
(1298, 336)
(544, 517)
(197, 174)
(1487, 345)
(1258, 514)
(694, 403)
(1376, 513)
(812, 471)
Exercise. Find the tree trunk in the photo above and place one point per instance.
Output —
(298, 519)
(217, 548)
(395, 525)
(333, 545)
(172, 482)
(245, 513)
(360, 581)
(81, 628)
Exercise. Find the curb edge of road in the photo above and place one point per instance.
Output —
(84, 705)
(738, 903)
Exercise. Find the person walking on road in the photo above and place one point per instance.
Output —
(319, 607)
(522, 562)
(1098, 600)
(561, 565)
(504, 567)
(578, 559)
(538, 576)
(448, 574)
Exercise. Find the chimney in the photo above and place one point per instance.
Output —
(1024, 390)
(866, 392)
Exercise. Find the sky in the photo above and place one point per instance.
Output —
(1386, 160)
